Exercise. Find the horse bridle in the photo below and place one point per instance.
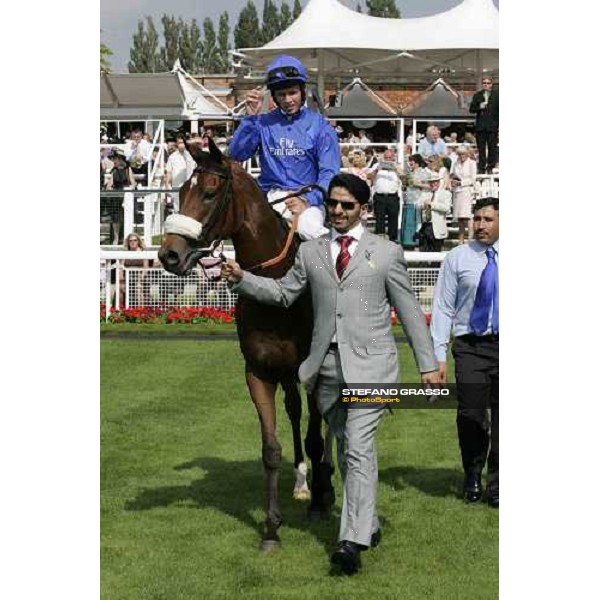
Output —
(194, 231)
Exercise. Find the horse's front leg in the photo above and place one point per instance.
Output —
(263, 396)
(293, 407)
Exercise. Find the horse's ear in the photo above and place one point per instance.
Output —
(195, 150)
(215, 153)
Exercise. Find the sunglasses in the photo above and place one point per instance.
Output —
(486, 82)
(331, 203)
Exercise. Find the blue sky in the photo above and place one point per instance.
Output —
(119, 18)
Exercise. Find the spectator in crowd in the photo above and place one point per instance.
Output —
(345, 157)
(436, 164)
(296, 146)
(435, 205)
(485, 104)
(133, 243)
(138, 151)
(354, 139)
(171, 146)
(179, 169)
(342, 352)
(452, 156)
(387, 188)
(417, 183)
(121, 179)
(432, 143)
(359, 166)
(466, 303)
(462, 180)
(365, 141)
(371, 157)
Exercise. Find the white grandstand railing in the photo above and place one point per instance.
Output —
(155, 288)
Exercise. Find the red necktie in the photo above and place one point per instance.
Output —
(344, 256)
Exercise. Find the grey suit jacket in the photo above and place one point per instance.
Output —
(355, 308)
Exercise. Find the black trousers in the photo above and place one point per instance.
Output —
(387, 204)
(487, 148)
(477, 367)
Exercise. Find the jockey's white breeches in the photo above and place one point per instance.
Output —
(310, 221)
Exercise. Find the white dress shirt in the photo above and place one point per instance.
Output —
(356, 232)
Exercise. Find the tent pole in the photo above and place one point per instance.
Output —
(400, 138)
(321, 75)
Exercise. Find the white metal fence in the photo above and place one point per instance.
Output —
(134, 287)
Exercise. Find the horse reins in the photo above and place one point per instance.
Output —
(288, 242)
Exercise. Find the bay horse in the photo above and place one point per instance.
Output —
(219, 201)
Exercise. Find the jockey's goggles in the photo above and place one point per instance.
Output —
(283, 74)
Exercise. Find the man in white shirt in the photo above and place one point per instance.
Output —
(138, 152)
(180, 167)
(387, 189)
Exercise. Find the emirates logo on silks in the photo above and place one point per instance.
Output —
(287, 147)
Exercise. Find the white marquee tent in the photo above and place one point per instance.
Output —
(337, 41)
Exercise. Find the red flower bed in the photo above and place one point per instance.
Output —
(186, 314)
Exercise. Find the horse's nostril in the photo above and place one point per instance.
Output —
(168, 257)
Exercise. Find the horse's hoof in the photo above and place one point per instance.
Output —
(269, 545)
(301, 491)
(301, 494)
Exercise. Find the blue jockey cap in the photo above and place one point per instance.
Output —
(285, 70)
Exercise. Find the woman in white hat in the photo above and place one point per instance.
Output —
(464, 172)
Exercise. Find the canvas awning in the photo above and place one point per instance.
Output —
(336, 41)
(358, 101)
(171, 96)
(440, 101)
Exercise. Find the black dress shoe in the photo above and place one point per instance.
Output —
(347, 558)
(376, 538)
(472, 490)
(493, 499)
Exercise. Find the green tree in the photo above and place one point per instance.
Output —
(247, 31)
(223, 43)
(270, 21)
(144, 53)
(191, 47)
(383, 8)
(105, 52)
(169, 53)
(297, 9)
(285, 16)
(210, 54)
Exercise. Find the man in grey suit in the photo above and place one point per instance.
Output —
(355, 278)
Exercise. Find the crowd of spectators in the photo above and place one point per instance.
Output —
(400, 209)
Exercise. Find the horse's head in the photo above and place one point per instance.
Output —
(204, 217)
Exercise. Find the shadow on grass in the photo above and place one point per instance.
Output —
(238, 489)
(440, 483)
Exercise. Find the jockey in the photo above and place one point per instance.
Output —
(296, 146)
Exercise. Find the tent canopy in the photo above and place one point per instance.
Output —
(358, 101)
(331, 37)
(155, 96)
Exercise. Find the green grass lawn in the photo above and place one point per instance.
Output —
(182, 492)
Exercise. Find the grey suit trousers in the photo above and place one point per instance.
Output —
(354, 429)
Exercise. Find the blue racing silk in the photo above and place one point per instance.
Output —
(294, 151)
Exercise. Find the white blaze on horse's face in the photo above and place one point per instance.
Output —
(193, 181)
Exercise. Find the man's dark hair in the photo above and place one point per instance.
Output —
(418, 159)
(483, 202)
(355, 185)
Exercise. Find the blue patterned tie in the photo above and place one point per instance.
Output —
(486, 297)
